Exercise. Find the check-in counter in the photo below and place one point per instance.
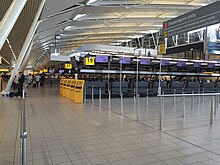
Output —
(208, 87)
(143, 88)
(192, 87)
(116, 87)
(163, 85)
(177, 86)
(96, 86)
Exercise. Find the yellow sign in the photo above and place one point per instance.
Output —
(90, 61)
(165, 34)
(35, 72)
(68, 66)
(162, 49)
(45, 70)
(4, 70)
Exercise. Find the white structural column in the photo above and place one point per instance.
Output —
(26, 58)
(9, 19)
(25, 47)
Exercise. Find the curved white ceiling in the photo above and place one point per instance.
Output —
(78, 22)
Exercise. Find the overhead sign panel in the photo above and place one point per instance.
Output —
(101, 59)
(68, 66)
(196, 19)
(89, 61)
(145, 61)
(125, 60)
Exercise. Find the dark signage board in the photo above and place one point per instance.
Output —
(199, 18)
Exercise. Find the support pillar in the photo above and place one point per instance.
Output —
(9, 19)
(25, 47)
(26, 58)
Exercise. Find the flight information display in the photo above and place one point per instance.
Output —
(61, 71)
(101, 59)
(145, 61)
(165, 62)
(125, 60)
(181, 63)
(197, 64)
(211, 65)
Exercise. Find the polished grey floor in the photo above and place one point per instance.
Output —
(61, 132)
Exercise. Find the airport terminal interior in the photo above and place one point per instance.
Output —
(109, 82)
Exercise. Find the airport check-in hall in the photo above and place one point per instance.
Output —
(109, 82)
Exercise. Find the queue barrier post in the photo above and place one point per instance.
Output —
(147, 99)
(184, 106)
(174, 98)
(138, 107)
(100, 98)
(92, 94)
(23, 132)
(109, 99)
(161, 112)
(212, 110)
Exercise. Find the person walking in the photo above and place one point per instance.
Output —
(29, 79)
(37, 79)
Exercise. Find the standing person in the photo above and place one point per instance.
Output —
(42, 78)
(30, 79)
(37, 79)
(20, 84)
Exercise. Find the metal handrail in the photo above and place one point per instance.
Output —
(23, 133)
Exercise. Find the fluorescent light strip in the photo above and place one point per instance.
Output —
(6, 60)
(9, 44)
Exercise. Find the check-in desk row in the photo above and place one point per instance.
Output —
(148, 87)
(72, 89)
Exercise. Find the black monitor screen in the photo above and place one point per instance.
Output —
(101, 59)
(181, 63)
(145, 61)
(125, 60)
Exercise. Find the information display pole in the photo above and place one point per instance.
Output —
(137, 69)
(121, 76)
(109, 67)
(159, 86)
